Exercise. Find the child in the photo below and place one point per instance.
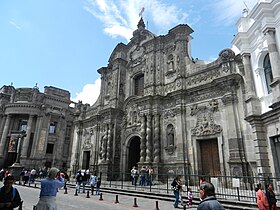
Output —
(190, 197)
(98, 183)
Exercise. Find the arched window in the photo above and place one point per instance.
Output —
(267, 72)
(139, 85)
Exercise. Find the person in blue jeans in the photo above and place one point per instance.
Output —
(176, 187)
(98, 184)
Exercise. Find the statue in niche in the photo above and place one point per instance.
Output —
(170, 63)
(170, 135)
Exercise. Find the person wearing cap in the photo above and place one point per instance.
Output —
(9, 196)
(48, 191)
(208, 198)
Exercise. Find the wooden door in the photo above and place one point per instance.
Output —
(210, 162)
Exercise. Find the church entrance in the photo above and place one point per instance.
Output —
(210, 162)
(86, 158)
(134, 152)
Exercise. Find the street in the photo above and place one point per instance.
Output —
(69, 201)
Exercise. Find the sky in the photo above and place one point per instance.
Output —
(62, 43)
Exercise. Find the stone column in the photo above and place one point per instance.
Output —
(157, 140)
(253, 105)
(149, 139)
(27, 139)
(2, 124)
(249, 80)
(273, 52)
(275, 63)
(109, 144)
(36, 135)
(104, 144)
(4, 135)
(143, 140)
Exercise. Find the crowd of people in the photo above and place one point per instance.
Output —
(145, 175)
(54, 179)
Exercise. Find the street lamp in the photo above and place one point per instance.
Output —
(16, 168)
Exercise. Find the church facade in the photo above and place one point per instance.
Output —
(158, 107)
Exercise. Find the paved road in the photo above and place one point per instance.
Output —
(70, 202)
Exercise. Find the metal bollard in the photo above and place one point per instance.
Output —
(29, 184)
(65, 190)
(35, 185)
(88, 194)
(117, 199)
(157, 208)
(76, 192)
(100, 198)
(135, 202)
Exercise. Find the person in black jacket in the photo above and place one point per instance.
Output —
(208, 198)
(176, 187)
(9, 196)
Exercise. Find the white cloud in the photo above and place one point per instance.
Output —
(229, 11)
(14, 24)
(120, 17)
(89, 93)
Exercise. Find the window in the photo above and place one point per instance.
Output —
(22, 125)
(52, 128)
(267, 72)
(139, 85)
(50, 148)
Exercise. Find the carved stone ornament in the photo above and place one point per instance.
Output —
(170, 149)
(226, 55)
(205, 124)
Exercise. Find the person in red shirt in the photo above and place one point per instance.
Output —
(261, 198)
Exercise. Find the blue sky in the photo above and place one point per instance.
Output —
(62, 43)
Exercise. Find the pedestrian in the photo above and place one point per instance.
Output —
(134, 175)
(181, 193)
(208, 198)
(261, 197)
(190, 197)
(142, 180)
(176, 187)
(48, 191)
(92, 182)
(79, 180)
(2, 175)
(32, 176)
(98, 184)
(271, 197)
(9, 196)
(84, 178)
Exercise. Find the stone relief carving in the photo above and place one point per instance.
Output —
(170, 141)
(170, 66)
(203, 78)
(205, 123)
(226, 55)
(87, 139)
(132, 116)
(137, 55)
(171, 113)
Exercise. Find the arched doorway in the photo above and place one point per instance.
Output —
(134, 152)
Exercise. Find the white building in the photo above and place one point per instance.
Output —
(258, 40)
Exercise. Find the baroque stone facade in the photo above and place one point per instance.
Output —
(47, 121)
(158, 107)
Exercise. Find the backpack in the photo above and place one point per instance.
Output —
(14, 191)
